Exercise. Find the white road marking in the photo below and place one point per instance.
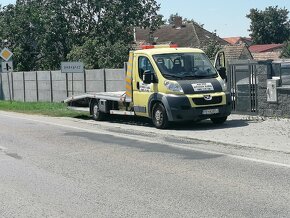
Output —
(149, 141)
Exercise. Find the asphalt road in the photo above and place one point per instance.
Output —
(55, 169)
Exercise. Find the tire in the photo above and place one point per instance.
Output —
(159, 116)
(96, 113)
(219, 120)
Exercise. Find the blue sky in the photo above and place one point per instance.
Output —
(227, 17)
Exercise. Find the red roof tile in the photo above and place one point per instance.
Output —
(232, 40)
(238, 40)
(264, 48)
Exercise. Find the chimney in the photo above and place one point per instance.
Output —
(177, 22)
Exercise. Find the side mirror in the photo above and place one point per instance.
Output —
(148, 77)
(223, 73)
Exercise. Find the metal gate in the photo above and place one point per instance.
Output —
(242, 83)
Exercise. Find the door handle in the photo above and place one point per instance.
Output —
(138, 85)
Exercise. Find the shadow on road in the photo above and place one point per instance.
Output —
(179, 126)
(151, 147)
(208, 125)
(83, 117)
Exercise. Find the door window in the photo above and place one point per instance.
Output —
(143, 65)
(220, 60)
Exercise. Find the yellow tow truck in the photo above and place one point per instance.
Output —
(167, 84)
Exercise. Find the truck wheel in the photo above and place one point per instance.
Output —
(219, 120)
(96, 113)
(159, 116)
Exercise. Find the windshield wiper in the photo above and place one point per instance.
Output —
(188, 76)
(172, 76)
(207, 76)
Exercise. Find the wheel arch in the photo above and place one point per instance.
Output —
(159, 98)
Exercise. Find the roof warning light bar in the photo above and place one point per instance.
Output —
(158, 46)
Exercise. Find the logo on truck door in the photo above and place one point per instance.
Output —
(144, 87)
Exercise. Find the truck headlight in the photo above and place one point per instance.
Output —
(173, 86)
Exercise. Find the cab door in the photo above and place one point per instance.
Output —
(142, 91)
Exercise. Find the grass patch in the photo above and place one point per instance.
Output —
(44, 108)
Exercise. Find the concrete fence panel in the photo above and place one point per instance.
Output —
(115, 80)
(58, 86)
(54, 86)
(95, 80)
(44, 88)
(75, 83)
(30, 86)
(18, 86)
(4, 86)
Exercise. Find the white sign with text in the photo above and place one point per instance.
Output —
(72, 67)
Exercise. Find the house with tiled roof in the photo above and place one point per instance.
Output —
(193, 35)
(237, 52)
(239, 40)
(184, 34)
(190, 35)
(266, 51)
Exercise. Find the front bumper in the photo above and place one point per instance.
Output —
(180, 110)
(197, 113)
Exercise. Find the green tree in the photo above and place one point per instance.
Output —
(172, 18)
(269, 26)
(54, 39)
(112, 31)
(96, 54)
(43, 33)
(286, 50)
(17, 24)
(35, 33)
(185, 20)
(212, 48)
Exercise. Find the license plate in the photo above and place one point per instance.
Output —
(210, 111)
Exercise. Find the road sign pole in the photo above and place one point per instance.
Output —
(7, 66)
(66, 83)
(9, 87)
(72, 83)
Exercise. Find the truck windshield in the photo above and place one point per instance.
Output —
(181, 66)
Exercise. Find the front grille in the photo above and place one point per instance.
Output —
(202, 101)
